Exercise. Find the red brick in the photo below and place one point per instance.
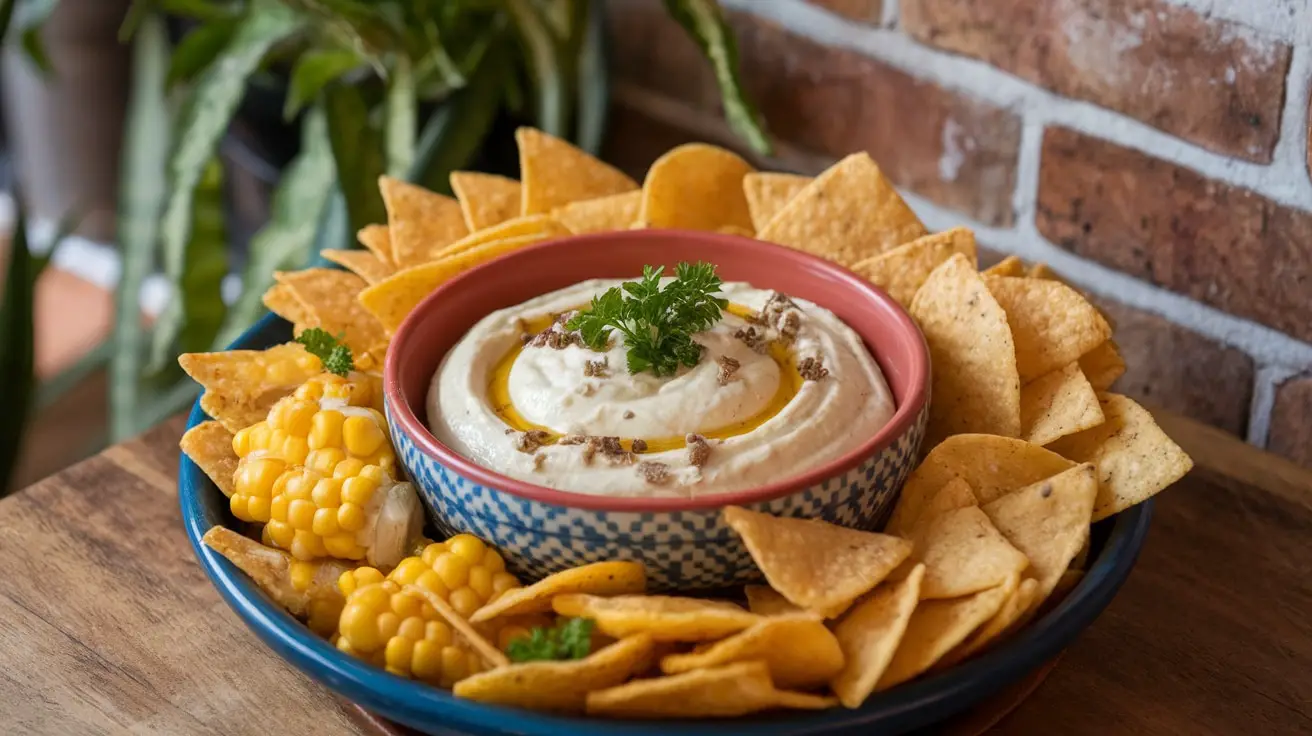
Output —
(634, 141)
(866, 11)
(1179, 370)
(946, 146)
(1220, 244)
(1291, 421)
(1209, 81)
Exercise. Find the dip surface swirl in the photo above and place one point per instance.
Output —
(549, 411)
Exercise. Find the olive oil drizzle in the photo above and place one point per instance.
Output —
(498, 391)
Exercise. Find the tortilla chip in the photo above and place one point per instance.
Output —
(604, 214)
(1048, 521)
(362, 263)
(1057, 404)
(847, 214)
(485, 199)
(963, 553)
(695, 187)
(975, 384)
(1135, 458)
(869, 635)
(666, 618)
(819, 566)
(331, 296)
(556, 173)
(281, 301)
(903, 270)
(766, 601)
(1009, 266)
(377, 239)
(236, 413)
(392, 300)
(1041, 271)
(209, 445)
(955, 494)
(937, 627)
(559, 687)
(721, 692)
(1013, 611)
(1051, 323)
(540, 226)
(421, 222)
(799, 650)
(242, 385)
(768, 192)
(599, 578)
(741, 232)
(992, 466)
(1103, 365)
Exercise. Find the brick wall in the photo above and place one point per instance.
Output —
(1155, 152)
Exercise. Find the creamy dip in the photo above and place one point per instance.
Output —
(783, 386)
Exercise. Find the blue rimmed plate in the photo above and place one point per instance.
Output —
(1115, 546)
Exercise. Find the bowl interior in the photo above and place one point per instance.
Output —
(438, 323)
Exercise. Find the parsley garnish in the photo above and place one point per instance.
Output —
(657, 323)
(335, 356)
(569, 640)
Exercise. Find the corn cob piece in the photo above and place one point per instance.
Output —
(308, 590)
(397, 630)
(320, 473)
(464, 572)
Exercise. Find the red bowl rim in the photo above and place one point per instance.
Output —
(904, 418)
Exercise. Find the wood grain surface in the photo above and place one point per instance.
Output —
(107, 625)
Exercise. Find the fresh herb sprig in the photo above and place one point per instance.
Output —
(569, 640)
(335, 356)
(657, 323)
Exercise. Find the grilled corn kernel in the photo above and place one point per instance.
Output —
(463, 571)
(312, 471)
(396, 630)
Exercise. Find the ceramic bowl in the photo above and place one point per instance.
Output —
(682, 542)
(1114, 546)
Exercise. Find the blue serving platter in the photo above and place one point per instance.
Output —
(932, 699)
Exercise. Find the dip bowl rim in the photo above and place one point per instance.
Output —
(904, 419)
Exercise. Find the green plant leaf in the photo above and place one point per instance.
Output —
(17, 347)
(704, 21)
(286, 241)
(203, 120)
(196, 309)
(357, 146)
(453, 134)
(400, 118)
(198, 49)
(6, 15)
(593, 83)
(141, 195)
(552, 88)
(314, 70)
(32, 17)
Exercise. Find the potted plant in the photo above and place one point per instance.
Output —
(413, 89)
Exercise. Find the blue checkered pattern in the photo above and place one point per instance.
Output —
(685, 550)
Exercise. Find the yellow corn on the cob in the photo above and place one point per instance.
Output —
(308, 590)
(320, 473)
(464, 572)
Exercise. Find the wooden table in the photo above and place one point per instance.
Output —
(108, 626)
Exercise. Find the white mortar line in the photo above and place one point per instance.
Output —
(1285, 180)
(1293, 142)
(890, 14)
(1025, 198)
(1265, 383)
(1266, 345)
(1279, 19)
